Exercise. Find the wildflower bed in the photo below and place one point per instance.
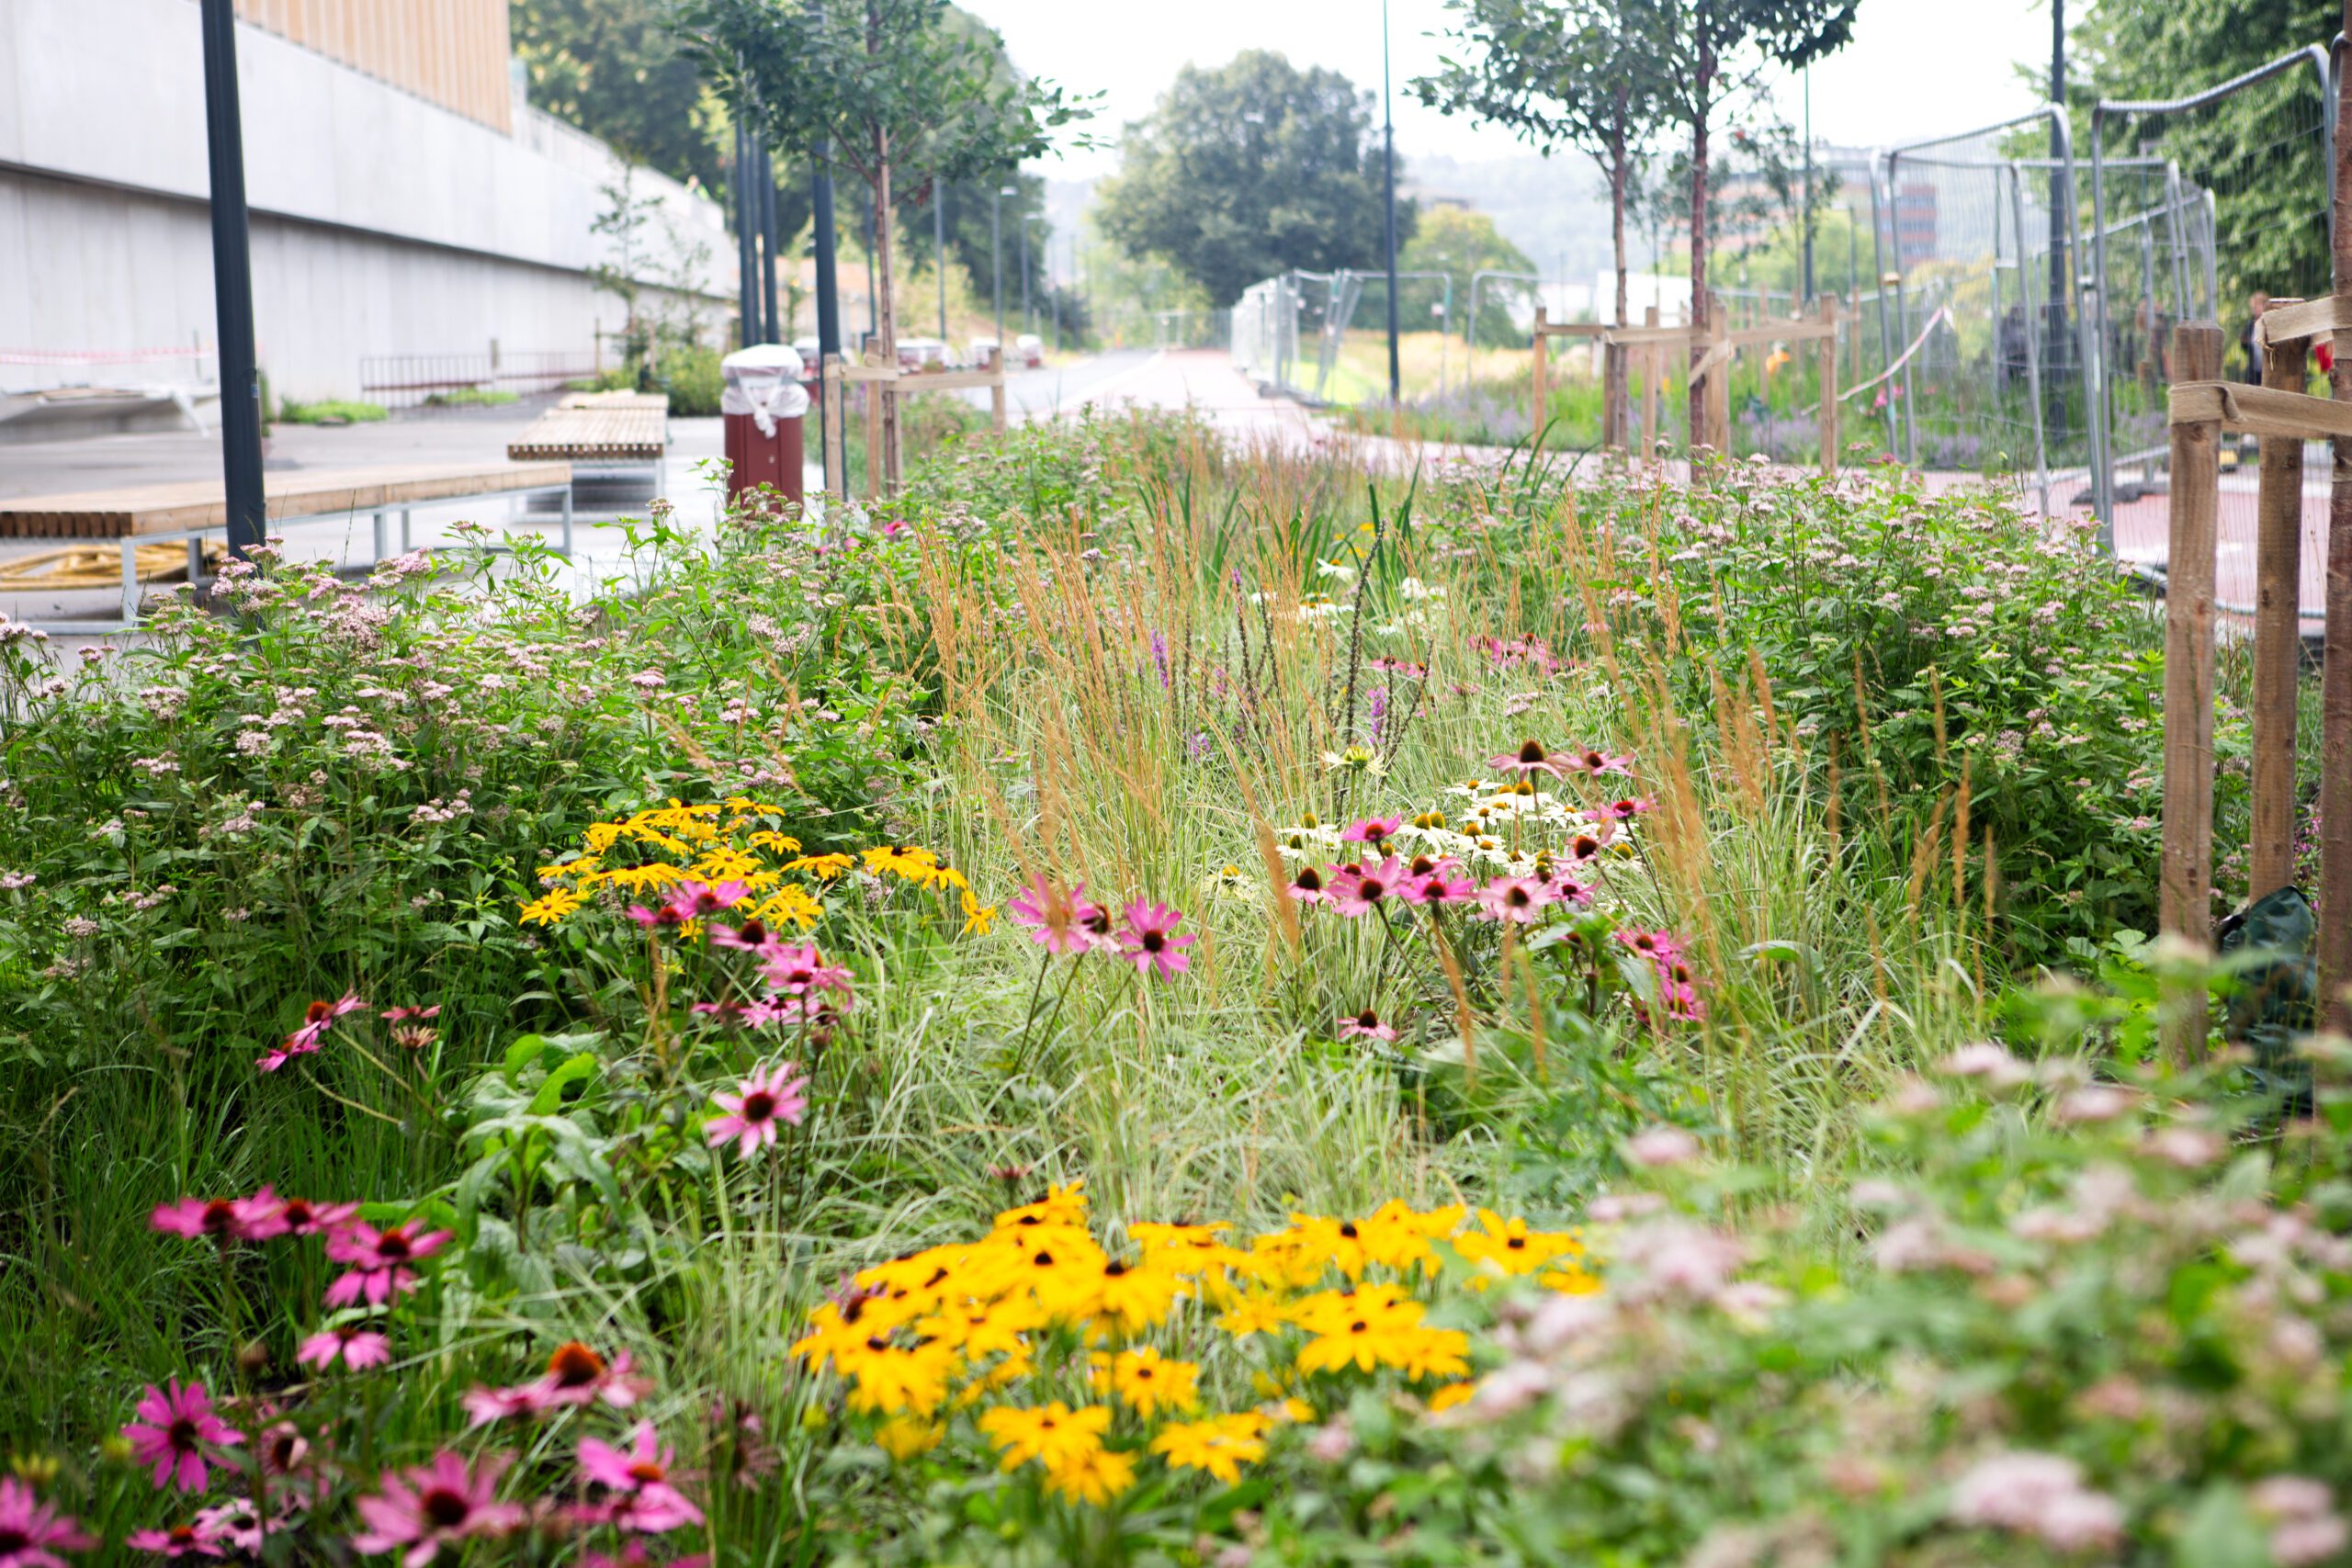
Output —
(1159, 1002)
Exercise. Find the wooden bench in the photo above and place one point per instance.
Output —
(165, 513)
(600, 430)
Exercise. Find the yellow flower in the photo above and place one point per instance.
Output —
(903, 1436)
(789, 903)
(1451, 1394)
(1433, 1353)
(1096, 1476)
(779, 843)
(1497, 1246)
(1220, 1445)
(1368, 1327)
(1053, 1434)
(1063, 1205)
(600, 836)
(551, 907)
(978, 916)
(823, 867)
(1570, 1279)
(887, 1379)
(1133, 1297)
(1258, 1313)
(1146, 1381)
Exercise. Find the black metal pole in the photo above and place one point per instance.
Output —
(233, 285)
(2053, 356)
(770, 244)
(829, 298)
(1388, 124)
(1808, 185)
(747, 253)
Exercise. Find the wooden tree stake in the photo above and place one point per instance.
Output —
(2335, 675)
(2185, 892)
(1828, 421)
(2278, 564)
(1539, 396)
(1653, 373)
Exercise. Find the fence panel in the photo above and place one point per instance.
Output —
(2199, 204)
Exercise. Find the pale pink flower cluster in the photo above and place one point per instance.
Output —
(2040, 1495)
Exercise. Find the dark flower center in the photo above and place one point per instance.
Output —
(1595, 761)
(1530, 751)
(646, 1473)
(1375, 833)
(1153, 942)
(1143, 1375)
(753, 931)
(219, 1216)
(443, 1508)
(575, 1364)
(1516, 1243)
(393, 1246)
(1359, 1326)
(1516, 897)
(1423, 865)
(1042, 1260)
(13, 1540)
(758, 1106)
(1348, 1229)
(297, 1213)
(317, 1012)
(1586, 846)
(1310, 879)
(1372, 889)
(181, 1434)
(1368, 1019)
(1114, 1268)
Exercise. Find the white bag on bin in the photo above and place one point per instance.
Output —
(764, 381)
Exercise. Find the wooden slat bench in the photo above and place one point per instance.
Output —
(600, 430)
(163, 513)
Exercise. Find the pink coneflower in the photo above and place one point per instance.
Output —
(304, 1217)
(317, 1018)
(700, 901)
(1623, 810)
(177, 1426)
(757, 1109)
(1598, 763)
(1566, 889)
(792, 971)
(1307, 887)
(1365, 1025)
(1588, 846)
(32, 1532)
(639, 1495)
(750, 937)
(1056, 919)
(487, 1406)
(576, 1374)
(222, 1220)
(178, 1540)
(434, 1505)
(1373, 830)
(1150, 940)
(1362, 890)
(1513, 898)
(1531, 758)
(1440, 885)
(359, 1346)
(1658, 947)
(403, 1015)
(654, 920)
(382, 1257)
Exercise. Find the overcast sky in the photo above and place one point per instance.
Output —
(1916, 67)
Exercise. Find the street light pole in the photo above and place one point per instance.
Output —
(770, 243)
(828, 296)
(1389, 125)
(233, 284)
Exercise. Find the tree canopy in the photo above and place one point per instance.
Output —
(614, 68)
(1462, 244)
(1250, 169)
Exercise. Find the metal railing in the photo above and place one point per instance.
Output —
(413, 380)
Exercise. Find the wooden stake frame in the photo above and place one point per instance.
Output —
(894, 381)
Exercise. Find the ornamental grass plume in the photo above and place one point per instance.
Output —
(177, 1426)
(441, 1504)
(757, 1109)
(33, 1532)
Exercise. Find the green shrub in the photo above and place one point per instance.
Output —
(333, 411)
(691, 376)
(472, 398)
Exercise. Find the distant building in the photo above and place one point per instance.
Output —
(406, 201)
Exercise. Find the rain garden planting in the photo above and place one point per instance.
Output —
(1152, 1000)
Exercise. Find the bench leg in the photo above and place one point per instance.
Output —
(130, 582)
(195, 563)
(383, 536)
(406, 547)
(567, 520)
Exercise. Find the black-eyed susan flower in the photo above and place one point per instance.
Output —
(1146, 1382)
(1218, 1445)
(1053, 1434)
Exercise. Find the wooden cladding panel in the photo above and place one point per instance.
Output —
(450, 52)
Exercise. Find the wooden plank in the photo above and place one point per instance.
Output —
(1642, 336)
(1779, 331)
(836, 438)
(1718, 383)
(2185, 890)
(1653, 376)
(2278, 640)
(1571, 328)
(175, 507)
(1539, 392)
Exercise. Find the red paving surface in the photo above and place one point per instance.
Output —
(2140, 537)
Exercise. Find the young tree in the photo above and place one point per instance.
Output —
(1712, 50)
(1462, 244)
(1579, 73)
(1250, 169)
(899, 92)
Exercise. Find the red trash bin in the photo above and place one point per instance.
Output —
(764, 406)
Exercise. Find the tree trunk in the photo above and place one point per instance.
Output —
(1615, 383)
(1703, 91)
(886, 308)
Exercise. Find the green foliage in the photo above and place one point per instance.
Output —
(473, 398)
(1250, 169)
(614, 68)
(691, 376)
(333, 411)
(1461, 245)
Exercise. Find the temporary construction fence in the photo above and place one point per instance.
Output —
(2258, 146)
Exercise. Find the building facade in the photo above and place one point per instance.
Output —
(406, 204)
